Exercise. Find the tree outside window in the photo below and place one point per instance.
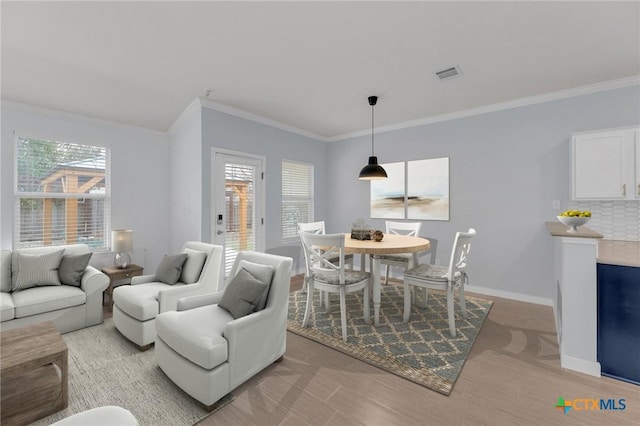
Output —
(62, 194)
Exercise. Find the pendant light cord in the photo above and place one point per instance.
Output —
(372, 150)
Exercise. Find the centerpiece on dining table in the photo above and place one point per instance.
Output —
(360, 230)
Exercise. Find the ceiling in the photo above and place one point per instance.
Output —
(308, 65)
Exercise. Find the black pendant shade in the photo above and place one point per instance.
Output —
(373, 170)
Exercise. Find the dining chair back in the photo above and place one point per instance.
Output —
(403, 260)
(325, 274)
(448, 278)
(312, 227)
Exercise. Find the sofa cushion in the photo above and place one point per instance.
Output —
(192, 266)
(72, 267)
(37, 300)
(5, 271)
(140, 301)
(242, 294)
(7, 308)
(262, 272)
(170, 268)
(37, 270)
(196, 334)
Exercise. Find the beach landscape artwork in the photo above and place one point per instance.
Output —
(387, 195)
(428, 189)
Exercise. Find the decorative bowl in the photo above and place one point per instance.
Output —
(573, 222)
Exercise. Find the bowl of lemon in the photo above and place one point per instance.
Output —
(574, 218)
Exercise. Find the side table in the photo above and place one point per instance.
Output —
(116, 274)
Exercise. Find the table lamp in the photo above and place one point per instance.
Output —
(122, 244)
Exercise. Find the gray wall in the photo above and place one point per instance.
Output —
(221, 130)
(139, 179)
(506, 167)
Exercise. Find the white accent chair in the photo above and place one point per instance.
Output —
(442, 278)
(208, 353)
(404, 260)
(323, 273)
(135, 307)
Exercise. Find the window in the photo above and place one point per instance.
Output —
(297, 196)
(62, 194)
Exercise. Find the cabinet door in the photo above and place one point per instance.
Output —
(619, 321)
(602, 165)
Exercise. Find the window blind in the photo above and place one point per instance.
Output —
(62, 194)
(297, 196)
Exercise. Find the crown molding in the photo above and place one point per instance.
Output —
(208, 103)
(29, 108)
(517, 103)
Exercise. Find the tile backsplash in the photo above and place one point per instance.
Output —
(616, 220)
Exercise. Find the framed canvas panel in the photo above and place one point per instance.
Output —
(428, 189)
(388, 195)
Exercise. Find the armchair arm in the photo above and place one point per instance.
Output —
(168, 299)
(142, 279)
(93, 281)
(192, 302)
(267, 327)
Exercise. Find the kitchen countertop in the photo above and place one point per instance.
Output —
(623, 253)
(558, 229)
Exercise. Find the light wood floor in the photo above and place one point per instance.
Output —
(512, 377)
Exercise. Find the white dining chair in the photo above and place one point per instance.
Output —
(447, 278)
(404, 260)
(319, 229)
(325, 274)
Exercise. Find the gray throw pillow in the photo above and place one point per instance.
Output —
(170, 268)
(242, 294)
(37, 269)
(72, 268)
(262, 272)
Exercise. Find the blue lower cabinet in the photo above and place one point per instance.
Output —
(619, 322)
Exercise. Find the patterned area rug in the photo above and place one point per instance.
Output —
(421, 350)
(106, 369)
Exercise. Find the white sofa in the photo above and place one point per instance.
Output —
(69, 307)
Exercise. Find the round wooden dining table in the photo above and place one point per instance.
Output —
(390, 244)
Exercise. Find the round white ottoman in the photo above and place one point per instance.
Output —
(101, 416)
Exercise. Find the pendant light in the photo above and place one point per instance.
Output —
(372, 171)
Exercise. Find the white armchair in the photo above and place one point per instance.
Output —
(208, 353)
(135, 307)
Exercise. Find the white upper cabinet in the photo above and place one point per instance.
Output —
(605, 165)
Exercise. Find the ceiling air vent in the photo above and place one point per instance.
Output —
(448, 73)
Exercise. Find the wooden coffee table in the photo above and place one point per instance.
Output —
(31, 385)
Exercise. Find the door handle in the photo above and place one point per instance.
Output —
(219, 232)
(639, 189)
(624, 189)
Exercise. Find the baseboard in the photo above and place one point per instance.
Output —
(580, 365)
(510, 295)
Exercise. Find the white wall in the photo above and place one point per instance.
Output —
(506, 167)
(139, 178)
(185, 177)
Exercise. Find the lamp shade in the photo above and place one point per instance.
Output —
(122, 240)
(372, 171)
